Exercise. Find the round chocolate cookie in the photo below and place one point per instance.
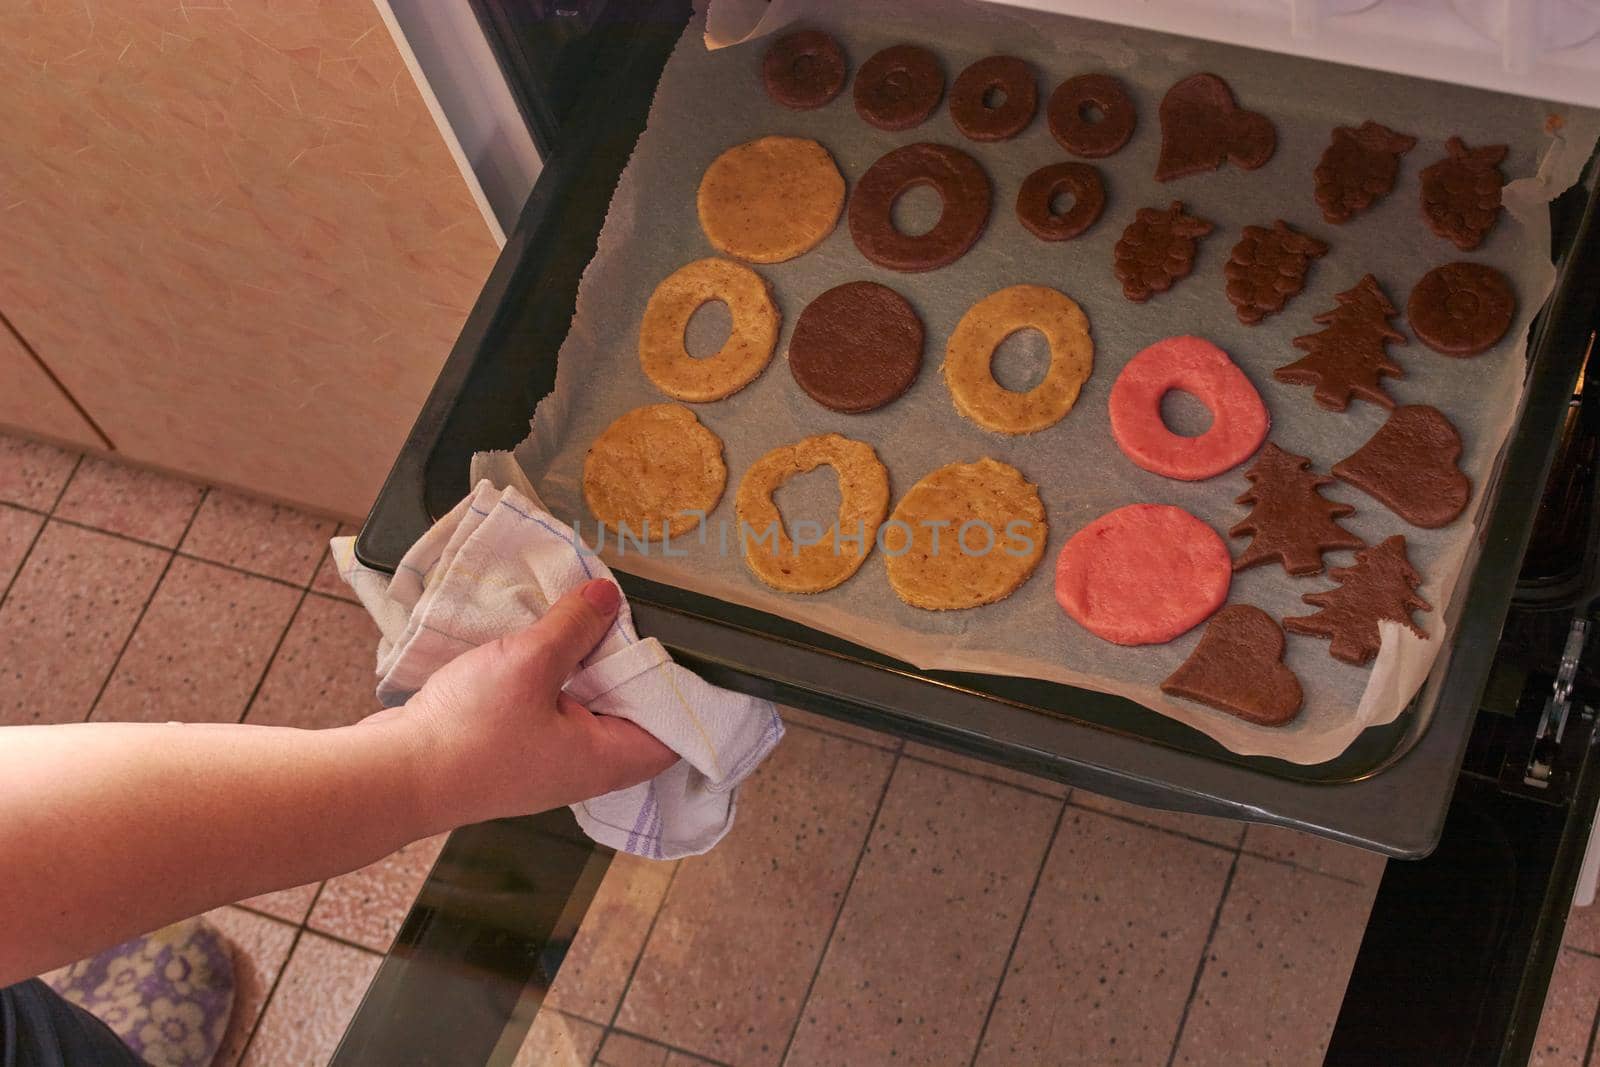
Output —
(1040, 188)
(856, 347)
(1461, 309)
(803, 70)
(1076, 131)
(962, 186)
(1010, 82)
(899, 87)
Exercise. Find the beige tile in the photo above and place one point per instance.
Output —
(66, 619)
(556, 1040)
(828, 724)
(742, 927)
(327, 580)
(17, 531)
(323, 674)
(626, 1050)
(1279, 961)
(256, 536)
(922, 940)
(290, 905)
(32, 473)
(260, 947)
(933, 754)
(1569, 1011)
(1107, 955)
(368, 906)
(317, 996)
(201, 648)
(1583, 928)
(603, 952)
(129, 500)
(1224, 832)
(1315, 853)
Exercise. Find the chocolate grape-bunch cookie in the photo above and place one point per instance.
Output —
(1461, 192)
(1156, 250)
(1267, 267)
(1358, 168)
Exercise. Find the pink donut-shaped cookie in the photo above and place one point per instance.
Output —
(1143, 574)
(1239, 420)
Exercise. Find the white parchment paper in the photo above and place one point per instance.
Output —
(711, 98)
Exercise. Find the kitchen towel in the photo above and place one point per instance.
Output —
(495, 564)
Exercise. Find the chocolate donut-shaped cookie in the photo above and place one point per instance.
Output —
(1045, 184)
(962, 186)
(1009, 78)
(1075, 131)
(899, 87)
(803, 70)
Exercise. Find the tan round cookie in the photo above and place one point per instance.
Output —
(770, 199)
(970, 351)
(655, 469)
(863, 499)
(990, 529)
(751, 338)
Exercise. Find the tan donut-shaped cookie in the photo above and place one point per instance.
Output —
(751, 339)
(863, 499)
(966, 534)
(655, 469)
(991, 320)
(771, 199)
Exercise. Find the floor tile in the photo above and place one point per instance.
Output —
(1583, 928)
(327, 579)
(1569, 1012)
(201, 648)
(17, 530)
(290, 905)
(260, 947)
(1226, 832)
(934, 754)
(1315, 853)
(556, 1040)
(323, 674)
(625, 1050)
(66, 619)
(268, 539)
(828, 724)
(1107, 954)
(775, 882)
(129, 500)
(602, 955)
(683, 1059)
(368, 906)
(922, 940)
(32, 473)
(1274, 978)
(318, 994)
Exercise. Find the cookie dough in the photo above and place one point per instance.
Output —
(1238, 668)
(1076, 98)
(1202, 126)
(1290, 521)
(742, 357)
(1412, 464)
(966, 534)
(1011, 81)
(991, 320)
(962, 186)
(771, 199)
(899, 87)
(657, 470)
(803, 70)
(1143, 574)
(856, 347)
(1039, 190)
(1381, 586)
(1461, 309)
(1358, 168)
(1267, 267)
(1461, 193)
(769, 551)
(1239, 419)
(1156, 250)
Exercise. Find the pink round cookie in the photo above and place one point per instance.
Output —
(1143, 574)
(1239, 420)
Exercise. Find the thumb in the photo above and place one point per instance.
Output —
(630, 754)
(551, 649)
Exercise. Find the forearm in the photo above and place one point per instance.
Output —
(108, 830)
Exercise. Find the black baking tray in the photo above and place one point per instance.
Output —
(1388, 791)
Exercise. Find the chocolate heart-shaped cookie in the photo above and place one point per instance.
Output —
(1410, 464)
(1202, 125)
(1238, 668)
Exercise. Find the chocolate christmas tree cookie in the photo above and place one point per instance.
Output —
(1238, 668)
(1358, 168)
(1380, 586)
(1292, 523)
(1267, 267)
(1461, 192)
(1350, 356)
(1156, 250)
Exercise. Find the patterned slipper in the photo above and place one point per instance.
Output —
(167, 995)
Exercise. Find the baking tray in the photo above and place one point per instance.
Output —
(1388, 791)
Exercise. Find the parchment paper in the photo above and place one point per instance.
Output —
(711, 99)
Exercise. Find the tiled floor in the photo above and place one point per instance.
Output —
(876, 903)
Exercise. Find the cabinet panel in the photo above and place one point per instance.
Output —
(31, 402)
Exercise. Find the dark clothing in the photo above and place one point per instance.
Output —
(38, 1028)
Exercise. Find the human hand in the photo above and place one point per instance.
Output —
(497, 737)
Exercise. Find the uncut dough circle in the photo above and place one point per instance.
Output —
(770, 199)
(1239, 420)
(655, 467)
(970, 351)
(751, 338)
(863, 501)
(991, 562)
